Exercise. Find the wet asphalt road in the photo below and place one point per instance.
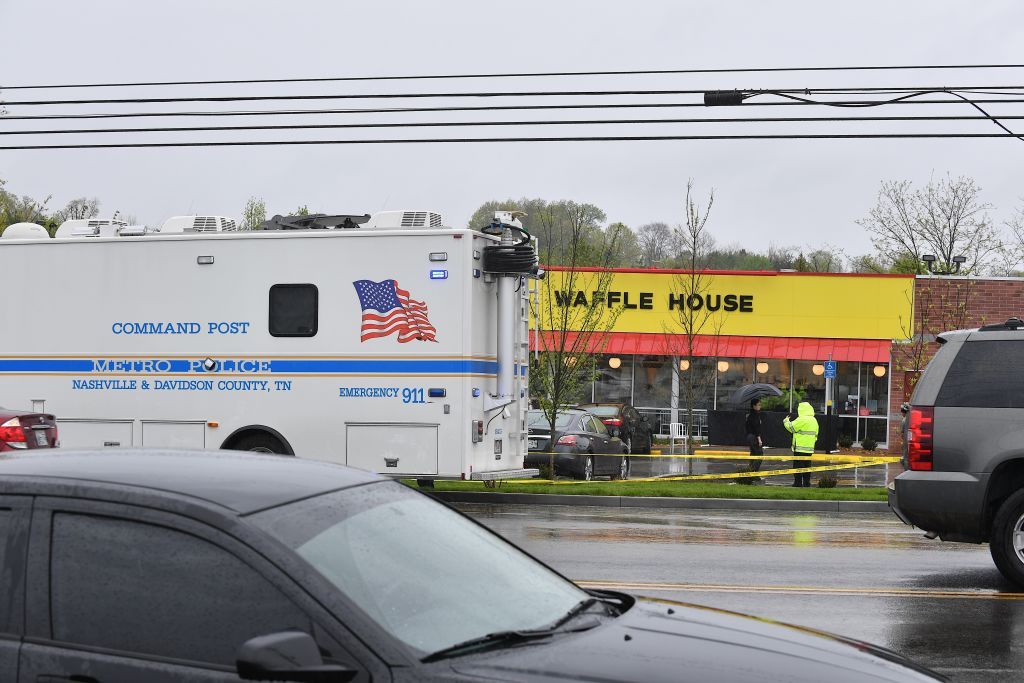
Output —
(866, 576)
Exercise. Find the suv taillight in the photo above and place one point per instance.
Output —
(13, 434)
(567, 440)
(920, 432)
(613, 422)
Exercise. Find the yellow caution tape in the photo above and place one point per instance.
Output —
(732, 455)
(729, 475)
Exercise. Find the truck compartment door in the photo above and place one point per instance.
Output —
(81, 433)
(389, 448)
(173, 434)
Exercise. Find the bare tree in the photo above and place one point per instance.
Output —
(254, 213)
(573, 312)
(78, 209)
(1012, 257)
(655, 242)
(946, 218)
(695, 312)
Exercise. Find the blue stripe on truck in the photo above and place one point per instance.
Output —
(411, 366)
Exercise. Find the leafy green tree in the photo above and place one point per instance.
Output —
(628, 247)
(254, 213)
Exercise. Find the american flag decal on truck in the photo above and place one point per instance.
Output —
(388, 309)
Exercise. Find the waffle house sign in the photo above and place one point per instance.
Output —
(823, 305)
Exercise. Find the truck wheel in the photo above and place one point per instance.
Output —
(260, 443)
(1007, 542)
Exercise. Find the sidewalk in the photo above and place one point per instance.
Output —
(876, 475)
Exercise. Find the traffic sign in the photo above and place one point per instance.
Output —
(830, 369)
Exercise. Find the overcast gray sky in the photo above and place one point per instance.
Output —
(786, 192)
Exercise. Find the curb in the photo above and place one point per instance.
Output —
(661, 502)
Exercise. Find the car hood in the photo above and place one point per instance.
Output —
(659, 640)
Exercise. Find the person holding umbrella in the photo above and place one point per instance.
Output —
(754, 440)
(805, 433)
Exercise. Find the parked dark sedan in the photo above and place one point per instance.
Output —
(581, 445)
(22, 430)
(625, 422)
(159, 566)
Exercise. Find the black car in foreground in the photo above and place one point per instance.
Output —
(625, 422)
(157, 566)
(581, 446)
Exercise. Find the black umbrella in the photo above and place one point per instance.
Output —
(748, 392)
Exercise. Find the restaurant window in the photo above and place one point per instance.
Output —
(652, 381)
(774, 371)
(809, 377)
(732, 374)
(613, 379)
(697, 375)
(875, 386)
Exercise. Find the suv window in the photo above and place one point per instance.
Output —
(985, 374)
(293, 310)
(147, 589)
(6, 538)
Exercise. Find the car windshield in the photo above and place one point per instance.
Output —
(426, 574)
(538, 418)
(603, 411)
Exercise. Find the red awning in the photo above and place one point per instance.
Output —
(732, 346)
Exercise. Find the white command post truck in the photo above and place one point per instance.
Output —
(387, 342)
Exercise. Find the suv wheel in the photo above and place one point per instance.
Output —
(1007, 542)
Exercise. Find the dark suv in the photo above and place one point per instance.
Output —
(964, 445)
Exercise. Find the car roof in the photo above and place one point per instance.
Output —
(242, 482)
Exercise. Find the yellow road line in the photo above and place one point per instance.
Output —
(640, 587)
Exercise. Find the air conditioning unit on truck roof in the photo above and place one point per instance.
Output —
(384, 348)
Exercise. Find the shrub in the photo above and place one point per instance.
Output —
(545, 472)
(828, 480)
(781, 403)
(868, 444)
(845, 441)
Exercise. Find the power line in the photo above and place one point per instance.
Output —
(913, 95)
(533, 74)
(604, 138)
(538, 93)
(511, 107)
(551, 122)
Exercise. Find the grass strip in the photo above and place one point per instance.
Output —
(674, 489)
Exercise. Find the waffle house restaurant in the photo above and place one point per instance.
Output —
(774, 327)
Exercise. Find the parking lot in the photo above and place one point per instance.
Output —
(866, 576)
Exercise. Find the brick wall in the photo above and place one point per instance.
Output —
(942, 304)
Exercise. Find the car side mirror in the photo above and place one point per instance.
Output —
(287, 656)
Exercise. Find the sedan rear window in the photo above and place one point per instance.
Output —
(538, 418)
(603, 411)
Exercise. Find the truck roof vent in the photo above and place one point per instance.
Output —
(399, 220)
(179, 224)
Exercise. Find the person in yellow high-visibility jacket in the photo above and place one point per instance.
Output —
(805, 433)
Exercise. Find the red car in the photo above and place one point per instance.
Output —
(20, 430)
